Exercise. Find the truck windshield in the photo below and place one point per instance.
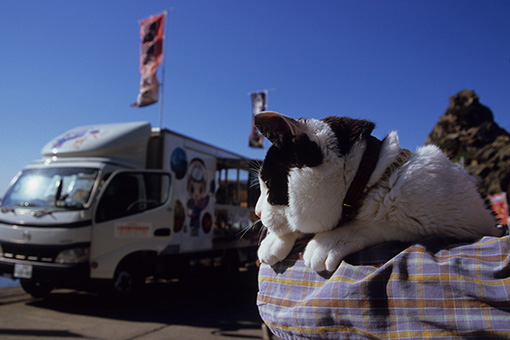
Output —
(54, 189)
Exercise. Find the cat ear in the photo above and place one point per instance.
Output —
(279, 129)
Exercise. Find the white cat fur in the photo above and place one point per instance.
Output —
(417, 200)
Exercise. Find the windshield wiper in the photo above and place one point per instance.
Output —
(8, 209)
(39, 213)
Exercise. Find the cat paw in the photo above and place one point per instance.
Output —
(322, 253)
(274, 248)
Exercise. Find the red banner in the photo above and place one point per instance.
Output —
(500, 207)
(258, 100)
(151, 55)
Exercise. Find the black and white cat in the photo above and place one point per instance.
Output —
(331, 178)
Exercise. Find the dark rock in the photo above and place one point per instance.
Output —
(468, 133)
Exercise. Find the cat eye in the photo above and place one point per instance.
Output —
(267, 182)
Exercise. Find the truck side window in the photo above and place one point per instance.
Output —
(132, 193)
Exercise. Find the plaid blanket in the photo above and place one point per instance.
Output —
(433, 289)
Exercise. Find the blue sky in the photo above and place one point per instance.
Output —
(71, 63)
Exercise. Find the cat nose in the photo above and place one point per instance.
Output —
(258, 212)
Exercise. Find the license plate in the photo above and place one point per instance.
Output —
(22, 271)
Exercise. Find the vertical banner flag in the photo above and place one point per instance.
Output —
(151, 55)
(500, 207)
(258, 101)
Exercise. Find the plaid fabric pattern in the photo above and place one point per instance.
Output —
(434, 289)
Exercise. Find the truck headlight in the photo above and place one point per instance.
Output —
(73, 255)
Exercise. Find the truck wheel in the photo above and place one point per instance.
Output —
(127, 282)
(37, 289)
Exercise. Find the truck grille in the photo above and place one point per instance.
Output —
(33, 252)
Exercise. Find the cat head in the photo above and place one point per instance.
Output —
(307, 170)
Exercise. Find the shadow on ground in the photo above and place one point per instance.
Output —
(199, 301)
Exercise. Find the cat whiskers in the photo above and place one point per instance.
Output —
(262, 230)
(255, 167)
(253, 182)
(253, 226)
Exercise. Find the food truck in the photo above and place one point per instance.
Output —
(121, 203)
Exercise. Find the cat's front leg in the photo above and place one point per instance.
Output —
(327, 249)
(274, 248)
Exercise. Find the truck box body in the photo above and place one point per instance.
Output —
(123, 199)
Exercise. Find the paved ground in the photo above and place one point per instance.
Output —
(202, 309)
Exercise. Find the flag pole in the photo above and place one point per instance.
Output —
(162, 87)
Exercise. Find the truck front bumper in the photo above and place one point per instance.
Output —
(61, 275)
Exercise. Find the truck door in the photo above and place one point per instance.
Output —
(133, 218)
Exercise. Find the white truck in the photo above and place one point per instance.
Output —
(120, 203)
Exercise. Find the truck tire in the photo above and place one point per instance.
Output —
(37, 289)
(127, 282)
